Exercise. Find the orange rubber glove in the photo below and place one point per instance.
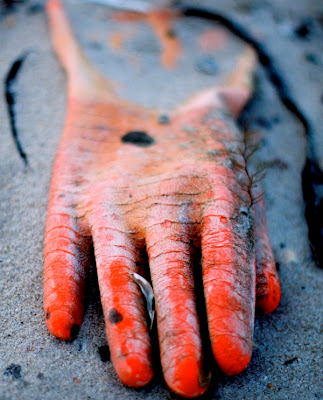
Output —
(122, 182)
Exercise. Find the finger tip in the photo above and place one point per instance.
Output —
(268, 295)
(134, 370)
(53, 4)
(61, 324)
(187, 379)
(237, 365)
(233, 354)
(267, 304)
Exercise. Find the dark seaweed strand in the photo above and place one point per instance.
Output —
(312, 176)
(11, 101)
(312, 184)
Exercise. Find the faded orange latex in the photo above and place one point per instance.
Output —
(128, 183)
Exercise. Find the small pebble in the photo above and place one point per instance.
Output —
(81, 346)
(289, 255)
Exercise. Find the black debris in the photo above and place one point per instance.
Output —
(13, 370)
(104, 353)
(304, 29)
(40, 376)
(115, 317)
(138, 138)
(11, 101)
(74, 331)
(290, 361)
